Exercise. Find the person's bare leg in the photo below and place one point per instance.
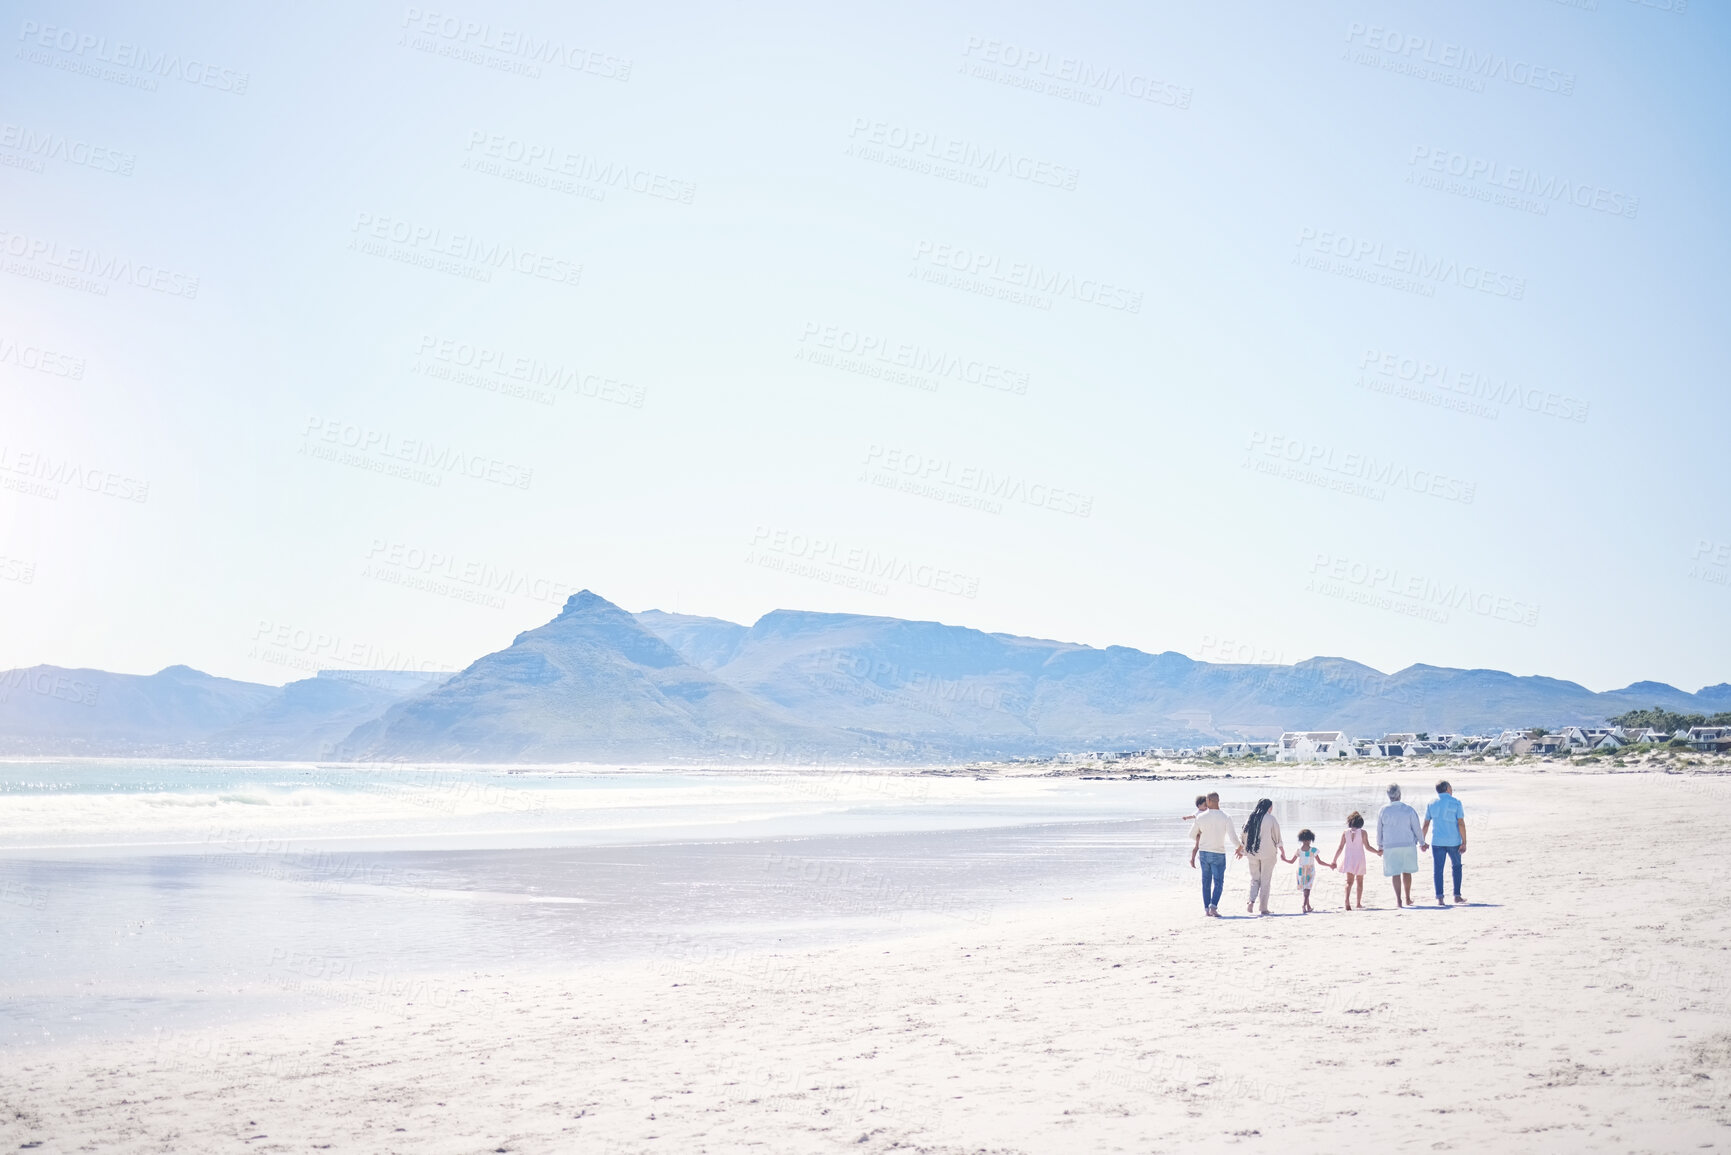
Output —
(1360, 892)
(1349, 892)
(1397, 902)
(1407, 878)
(1307, 902)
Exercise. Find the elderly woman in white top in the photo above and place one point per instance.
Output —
(1397, 829)
(1262, 849)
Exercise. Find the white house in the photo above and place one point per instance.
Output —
(1246, 749)
(1614, 739)
(1618, 737)
(1710, 739)
(1555, 742)
(1400, 745)
(1314, 746)
(1549, 743)
(1510, 742)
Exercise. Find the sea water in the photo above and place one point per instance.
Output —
(139, 896)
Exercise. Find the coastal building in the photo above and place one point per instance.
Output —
(1614, 739)
(1389, 746)
(1709, 739)
(1510, 743)
(1314, 746)
(1401, 745)
(1618, 737)
(1247, 749)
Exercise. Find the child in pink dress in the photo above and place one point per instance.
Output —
(1354, 842)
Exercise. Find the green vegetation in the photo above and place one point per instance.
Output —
(1666, 722)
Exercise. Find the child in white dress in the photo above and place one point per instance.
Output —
(1306, 859)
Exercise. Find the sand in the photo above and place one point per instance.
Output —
(1581, 1004)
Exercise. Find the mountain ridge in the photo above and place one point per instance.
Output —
(597, 682)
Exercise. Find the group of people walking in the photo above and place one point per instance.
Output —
(1443, 832)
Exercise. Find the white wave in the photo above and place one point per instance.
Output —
(369, 804)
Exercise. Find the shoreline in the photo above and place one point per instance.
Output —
(1129, 764)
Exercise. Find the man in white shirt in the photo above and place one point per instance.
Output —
(1209, 839)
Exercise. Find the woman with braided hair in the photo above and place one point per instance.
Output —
(1262, 849)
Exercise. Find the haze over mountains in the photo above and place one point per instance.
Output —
(600, 684)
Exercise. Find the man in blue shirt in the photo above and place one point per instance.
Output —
(1450, 840)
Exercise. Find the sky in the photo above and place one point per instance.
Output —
(363, 335)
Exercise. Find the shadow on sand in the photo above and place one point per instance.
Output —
(1224, 917)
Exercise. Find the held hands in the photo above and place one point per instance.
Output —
(1239, 853)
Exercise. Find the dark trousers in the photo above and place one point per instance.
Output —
(1453, 855)
(1213, 878)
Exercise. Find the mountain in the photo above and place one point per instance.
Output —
(977, 693)
(96, 712)
(599, 684)
(180, 711)
(308, 719)
(952, 690)
(596, 684)
(704, 642)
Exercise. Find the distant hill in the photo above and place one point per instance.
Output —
(182, 712)
(977, 693)
(310, 718)
(598, 683)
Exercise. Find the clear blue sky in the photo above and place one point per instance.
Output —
(360, 334)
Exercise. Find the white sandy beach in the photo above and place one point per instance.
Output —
(1580, 1005)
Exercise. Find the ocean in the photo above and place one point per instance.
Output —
(141, 896)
